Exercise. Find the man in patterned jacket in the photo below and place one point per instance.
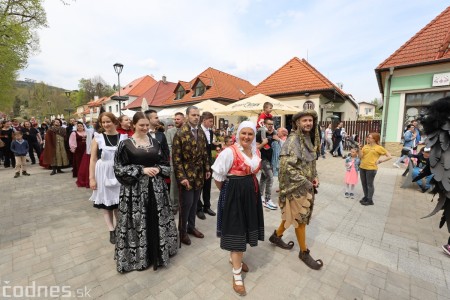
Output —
(298, 183)
(192, 167)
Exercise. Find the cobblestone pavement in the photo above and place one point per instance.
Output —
(51, 236)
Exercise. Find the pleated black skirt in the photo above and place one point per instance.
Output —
(242, 216)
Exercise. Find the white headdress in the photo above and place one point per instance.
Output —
(247, 124)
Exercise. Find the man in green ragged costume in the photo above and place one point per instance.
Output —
(298, 183)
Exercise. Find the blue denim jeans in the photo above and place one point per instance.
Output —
(416, 172)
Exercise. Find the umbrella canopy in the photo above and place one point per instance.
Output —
(209, 105)
(254, 106)
(170, 111)
(129, 113)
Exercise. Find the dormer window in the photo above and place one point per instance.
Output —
(180, 93)
(199, 89)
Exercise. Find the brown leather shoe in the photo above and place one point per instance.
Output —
(185, 239)
(244, 266)
(196, 233)
(239, 288)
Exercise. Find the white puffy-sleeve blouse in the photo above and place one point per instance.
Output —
(224, 163)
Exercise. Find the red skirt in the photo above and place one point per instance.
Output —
(41, 161)
(83, 171)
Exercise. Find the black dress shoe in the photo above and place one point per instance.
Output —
(201, 215)
(53, 172)
(196, 233)
(112, 237)
(59, 170)
(367, 202)
(185, 239)
(363, 199)
(209, 212)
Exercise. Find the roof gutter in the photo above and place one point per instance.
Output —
(378, 71)
(386, 104)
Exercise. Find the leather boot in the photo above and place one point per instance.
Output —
(278, 241)
(314, 264)
(53, 171)
(59, 170)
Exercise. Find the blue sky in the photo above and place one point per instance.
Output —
(344, 40)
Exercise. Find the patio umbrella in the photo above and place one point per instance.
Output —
(254, 106)
(169, 112)
(209, 105)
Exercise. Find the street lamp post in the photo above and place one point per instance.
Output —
(118, 69)
(69, 109)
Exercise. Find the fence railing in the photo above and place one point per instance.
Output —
(359, 129)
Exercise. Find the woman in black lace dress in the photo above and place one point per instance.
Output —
(146, 232)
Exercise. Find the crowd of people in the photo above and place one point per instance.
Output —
(143, 172)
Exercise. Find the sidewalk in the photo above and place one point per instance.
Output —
(50, 235)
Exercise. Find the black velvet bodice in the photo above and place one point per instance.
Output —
(148, 157)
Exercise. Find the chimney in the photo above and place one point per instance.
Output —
(164, 79)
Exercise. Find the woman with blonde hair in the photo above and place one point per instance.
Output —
(370, 159)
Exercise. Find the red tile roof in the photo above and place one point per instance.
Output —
(98, 102)
(220, 85)
(137, 87)
(155, 96)
(296, 76)
(430, 44)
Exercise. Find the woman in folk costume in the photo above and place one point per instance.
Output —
(55, 154)
(298, 182)
(240, 221)
(146, 233)
(102, 180)
(83, 171)
(77, 144)
(125, 126)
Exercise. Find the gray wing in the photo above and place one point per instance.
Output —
(439, 142)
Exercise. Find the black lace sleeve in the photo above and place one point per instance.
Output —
(126, 173)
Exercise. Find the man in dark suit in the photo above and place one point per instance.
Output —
(192, 168)
(205, 207)
(152, 116)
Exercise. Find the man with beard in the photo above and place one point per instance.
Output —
(152, 116)
(192, 168)
(55, 152)
(298, 183)
(170, 133)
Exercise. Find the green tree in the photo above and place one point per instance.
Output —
(91, 87)
(378, 111)
(16, 106)
(19, 22)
